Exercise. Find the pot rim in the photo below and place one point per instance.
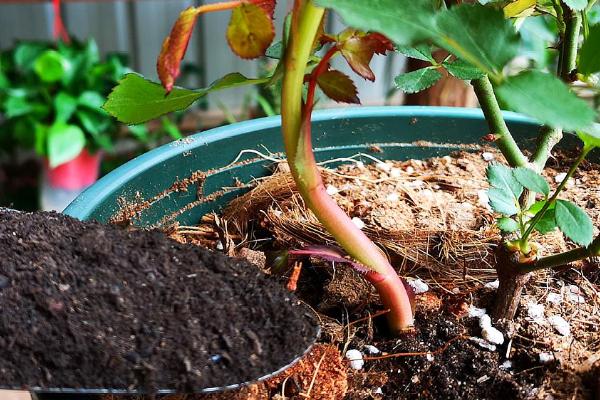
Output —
(106, 185)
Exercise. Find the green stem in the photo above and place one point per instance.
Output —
(568, 59)
(540, 214)
(493, 115)
(296, 128)
(548, 138)
(557, 260)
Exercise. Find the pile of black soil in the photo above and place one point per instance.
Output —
(85, 305)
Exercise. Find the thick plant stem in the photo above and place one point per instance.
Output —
(568, 59)
(549, 137)
(511, 283)
(557, 260)
(297, 138)
(493, 116)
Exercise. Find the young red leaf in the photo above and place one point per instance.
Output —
(250, 30)
(267, 5)
(174, 47)
(338, 86)
(359, 47)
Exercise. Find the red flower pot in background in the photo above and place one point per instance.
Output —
(63, 183)
(76, 174)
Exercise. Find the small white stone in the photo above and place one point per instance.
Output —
(506, 365)
(378, 391)
(410, 170)
(415, 379)
(370, 349)
(493, 285)
(331, 190)
(416, 184)
(554, 298)
(360, 164)
(560, 177)
(484, 344)
(428, 194)
(573, 293)
(485, 321)
(385, 167)
(475, 312)
(482, 379)
(535, 311)
(560, 325)
(219, 246)
(392, 197)
(487, 156)
(483, 198)
(63, 287)
(455, 290)
(429, 357)
(356, 359)
(492, 335)
(358, 222)
(418, 286)
(546, 357)
(395, 172)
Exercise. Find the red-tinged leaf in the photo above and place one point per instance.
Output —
(267, 5)
(358, 49)
(338, 86)
(174, 47)
(250, 31)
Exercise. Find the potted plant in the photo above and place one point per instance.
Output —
(50, 98)
(481, 40)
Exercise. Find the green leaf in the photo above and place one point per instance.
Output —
(418, 52)
(479, 35)
(531, 180)
(415, 81)
(135, 99)
(16, 106)
(41, 135)
(65, 142)
(574, 222)
(462, 70)
(507, 225)
(91, 99)
(275, 50)
(545, 98)
(140, 132)
(51, 66)
(64, 106)
(502, 202)
(171, 128)
(500, 176)
(548, 222)
(591, 135)
(403, 21)
(576, 5)
(589, 55)
(96, 125)
(26, 53)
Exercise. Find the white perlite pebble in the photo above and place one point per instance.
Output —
(560, 177)
(395, 172)
(358, 222)
(429, 357)
(370, 349)
(475, 312)
(573, 294)
(560, 325)
(482, 343)
(356, 359)
(493, 285)
(331, 190)
(383, 166)
(535, 311)
(506, 365)
(546, 357)
(554, 298)
(492, 335)
(485, 321)
(410, 170)
(484, 200)
(393, 197)
(378, 391)
(360, 164)
(487, 156)
(418, 286)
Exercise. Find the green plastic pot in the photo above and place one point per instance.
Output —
(337, 133)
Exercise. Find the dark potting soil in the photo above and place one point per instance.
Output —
(85, 305)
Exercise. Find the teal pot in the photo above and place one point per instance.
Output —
(230, 154)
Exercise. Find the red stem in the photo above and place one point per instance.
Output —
(59, 27)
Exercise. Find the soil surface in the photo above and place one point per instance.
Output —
(432, 219)
(85, 305)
